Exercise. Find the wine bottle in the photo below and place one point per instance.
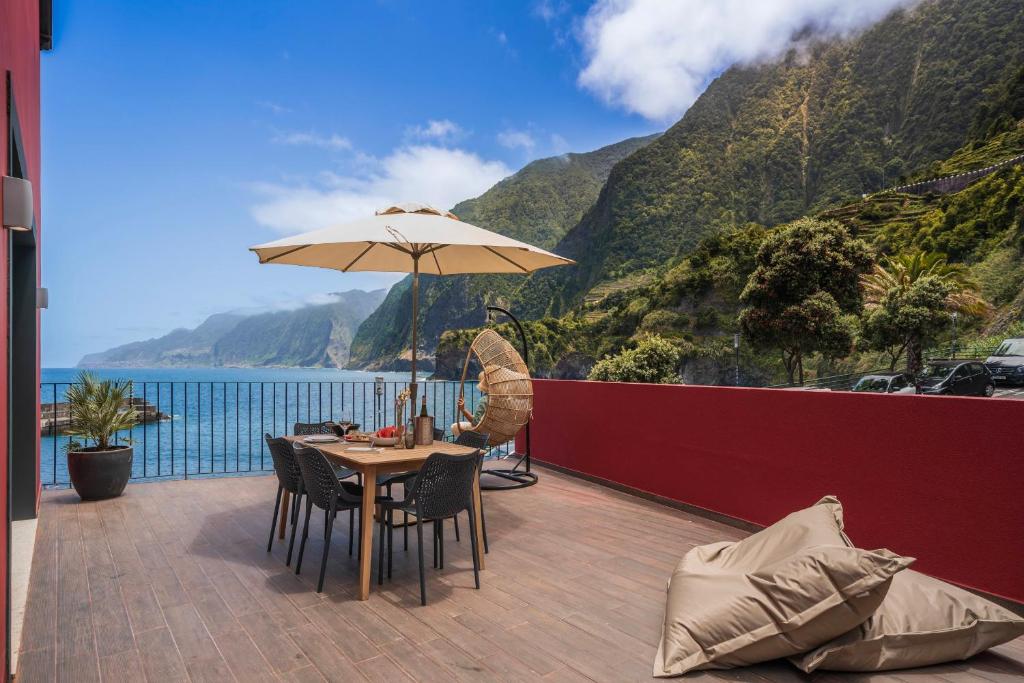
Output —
(423, 407)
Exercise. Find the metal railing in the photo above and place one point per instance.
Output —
(216, 428)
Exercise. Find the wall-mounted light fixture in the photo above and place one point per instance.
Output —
(18, 206)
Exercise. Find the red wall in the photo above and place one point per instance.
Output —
(19, 55)
(936, 478)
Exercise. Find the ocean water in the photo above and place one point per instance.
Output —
(216, 417)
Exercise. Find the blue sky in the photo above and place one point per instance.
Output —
(167, 125)
(178, 134)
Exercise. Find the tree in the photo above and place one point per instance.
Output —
(804, 293)
(908, 300)
(654, 360)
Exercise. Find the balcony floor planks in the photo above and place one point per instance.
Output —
(172, 582)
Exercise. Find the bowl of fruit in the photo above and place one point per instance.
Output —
(385, 436)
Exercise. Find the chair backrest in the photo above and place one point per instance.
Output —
(444, 485)
(473, 439)
(318, 477)
(438, 433)
(285, 466)
(308, 428)
(510, 391)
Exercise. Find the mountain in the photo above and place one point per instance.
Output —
(311, 336)
(767, 143)
(538, 205)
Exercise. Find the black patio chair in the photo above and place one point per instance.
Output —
(478, 441)
(442, 488)
(389, 480)
(325, 491)
(309, 428)
(317, 428)
(288, 479)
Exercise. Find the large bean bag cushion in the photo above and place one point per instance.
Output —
(782, 591)
(921, 621)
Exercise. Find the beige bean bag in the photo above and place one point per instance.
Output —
(921, 621)
(780, 592)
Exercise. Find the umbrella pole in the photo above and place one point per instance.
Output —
(415, 324)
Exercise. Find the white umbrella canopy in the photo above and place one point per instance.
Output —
(409, 238)
(400, 238)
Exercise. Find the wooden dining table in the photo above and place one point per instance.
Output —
(386, 460)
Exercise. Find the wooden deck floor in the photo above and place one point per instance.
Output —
(172, 582)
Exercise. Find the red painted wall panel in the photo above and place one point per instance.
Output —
(19, 55)
(936, 478)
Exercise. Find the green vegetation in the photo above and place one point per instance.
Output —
(538, 205)
(653, 360)
(99, 410)
(309, 336)
(673, 238)
(773, 142)
(910, 298)
(804, 294)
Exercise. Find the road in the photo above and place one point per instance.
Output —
(1009, 392)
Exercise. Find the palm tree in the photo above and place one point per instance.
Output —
(897, 274)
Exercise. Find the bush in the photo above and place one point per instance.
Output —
(655, 360)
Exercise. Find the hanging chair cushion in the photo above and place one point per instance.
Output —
(509, 388)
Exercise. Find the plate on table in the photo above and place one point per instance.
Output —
(321, 438)
(362, 449)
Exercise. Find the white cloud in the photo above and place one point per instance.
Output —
(313, 139)
(438, 176)
(559, 145)
(274, 107)
(655, 57)
(436, 129)
(549, 10)
(513, 139)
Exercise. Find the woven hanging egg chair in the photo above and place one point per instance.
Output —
(509, 389)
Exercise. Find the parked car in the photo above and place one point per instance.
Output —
(1007, 362)
(886, 383)
(955, 378)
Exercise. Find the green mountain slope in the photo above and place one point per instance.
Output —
(771, 142)
(181, 347)
(312, 336)
(538, 205)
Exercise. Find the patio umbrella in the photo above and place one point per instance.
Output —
(409, 238)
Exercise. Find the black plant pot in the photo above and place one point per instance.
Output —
(97, 474)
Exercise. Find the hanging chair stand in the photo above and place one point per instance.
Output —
(512, 398)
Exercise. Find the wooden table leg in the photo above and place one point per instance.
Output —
(479, 531)
(366, 541)
(283, 515)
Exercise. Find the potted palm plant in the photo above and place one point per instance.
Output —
(101, 464)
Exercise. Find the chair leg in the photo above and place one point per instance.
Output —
(295, 525)
(305, 535)
(483, 525)
(458, 539)
(433, 527)
(472, 541)
(405, 530)
(380, 549)
(419, 549)
(440, 542)
(391, 533)
(327, 548)
(326, 515)
(273, 524)
(351, 525)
